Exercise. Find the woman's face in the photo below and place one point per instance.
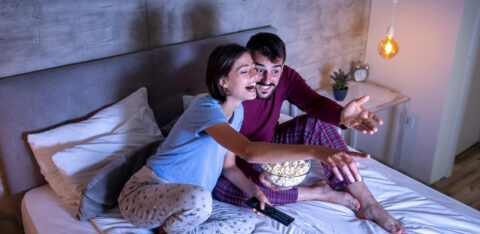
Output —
(241, 80)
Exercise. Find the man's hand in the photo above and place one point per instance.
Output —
(268, 184)
(355, 116)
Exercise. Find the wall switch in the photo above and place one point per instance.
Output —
(410, 121)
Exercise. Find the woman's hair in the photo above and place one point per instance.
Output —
(220, 63)
(269, 45)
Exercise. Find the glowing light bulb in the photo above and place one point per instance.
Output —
(388, 47)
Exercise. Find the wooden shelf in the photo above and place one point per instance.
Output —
(380, 97)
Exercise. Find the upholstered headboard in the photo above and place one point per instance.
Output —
(42, 100)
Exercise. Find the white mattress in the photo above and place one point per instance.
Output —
(44, 212)
(421, 209)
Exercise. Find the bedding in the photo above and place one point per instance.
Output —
(102, 191)
(67, 154)
(80, 163)
(421, 209)
(51, 215)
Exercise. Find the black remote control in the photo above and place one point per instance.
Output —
(270, 211)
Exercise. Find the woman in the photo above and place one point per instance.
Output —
(174, 189)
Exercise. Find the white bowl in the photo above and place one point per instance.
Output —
(287, 174)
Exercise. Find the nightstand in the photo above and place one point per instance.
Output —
(386, 144)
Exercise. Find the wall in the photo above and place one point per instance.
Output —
(321, 35)
(469, 120)
(64, 32)
(461, 113)
(427, 33)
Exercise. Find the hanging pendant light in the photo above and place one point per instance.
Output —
(388, 47)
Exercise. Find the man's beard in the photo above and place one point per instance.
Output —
(259, 96)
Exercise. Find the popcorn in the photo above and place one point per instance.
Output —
(287, 174)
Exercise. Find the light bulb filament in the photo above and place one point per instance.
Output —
(388, 48)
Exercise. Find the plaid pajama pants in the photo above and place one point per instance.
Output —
(300, 130)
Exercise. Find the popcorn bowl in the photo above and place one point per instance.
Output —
(287, 174)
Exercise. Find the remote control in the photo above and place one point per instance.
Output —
(270, 211)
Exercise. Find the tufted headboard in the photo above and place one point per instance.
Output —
(42, 100)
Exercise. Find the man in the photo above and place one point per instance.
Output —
(278, 83)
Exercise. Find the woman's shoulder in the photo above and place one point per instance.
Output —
(205, 100)
(205, 103)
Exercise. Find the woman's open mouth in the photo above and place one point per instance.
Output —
(251, 87)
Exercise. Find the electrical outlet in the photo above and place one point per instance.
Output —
(410, 121)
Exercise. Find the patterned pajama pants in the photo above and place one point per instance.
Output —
(146, 201)
(302, 130)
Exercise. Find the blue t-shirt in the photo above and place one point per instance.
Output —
(189, 155)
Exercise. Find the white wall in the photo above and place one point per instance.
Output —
(427, 33)
(469, 120)
(460, 119)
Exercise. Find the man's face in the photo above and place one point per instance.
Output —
(269, 73)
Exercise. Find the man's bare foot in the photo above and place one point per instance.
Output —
(375, 212)
(321, 191)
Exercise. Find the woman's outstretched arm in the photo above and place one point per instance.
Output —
(263, 152)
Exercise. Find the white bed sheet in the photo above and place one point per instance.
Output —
(44, 212)
(421, 209)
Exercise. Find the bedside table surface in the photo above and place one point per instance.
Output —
(380, 96)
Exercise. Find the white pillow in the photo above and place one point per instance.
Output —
(79, 164)
(284, 118)
(130, 115)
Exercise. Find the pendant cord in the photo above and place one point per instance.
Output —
(393, 11)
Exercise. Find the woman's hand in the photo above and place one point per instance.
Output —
(344, 160)
(268, 184)
(262, 198)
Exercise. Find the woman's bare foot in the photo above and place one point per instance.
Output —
(375, 212)
(321, 191)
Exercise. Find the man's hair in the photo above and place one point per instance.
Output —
(220, 63)
(269, 45)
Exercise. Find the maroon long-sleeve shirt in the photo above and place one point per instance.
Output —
(261, 116)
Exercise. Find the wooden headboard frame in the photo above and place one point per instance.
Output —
(42, 100)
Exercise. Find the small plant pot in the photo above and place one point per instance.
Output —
(340, 94)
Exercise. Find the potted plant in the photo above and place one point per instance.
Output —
(340, 87)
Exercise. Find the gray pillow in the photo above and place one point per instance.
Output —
(165, 129)
(102, 191)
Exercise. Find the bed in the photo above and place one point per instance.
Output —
(43, 101)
